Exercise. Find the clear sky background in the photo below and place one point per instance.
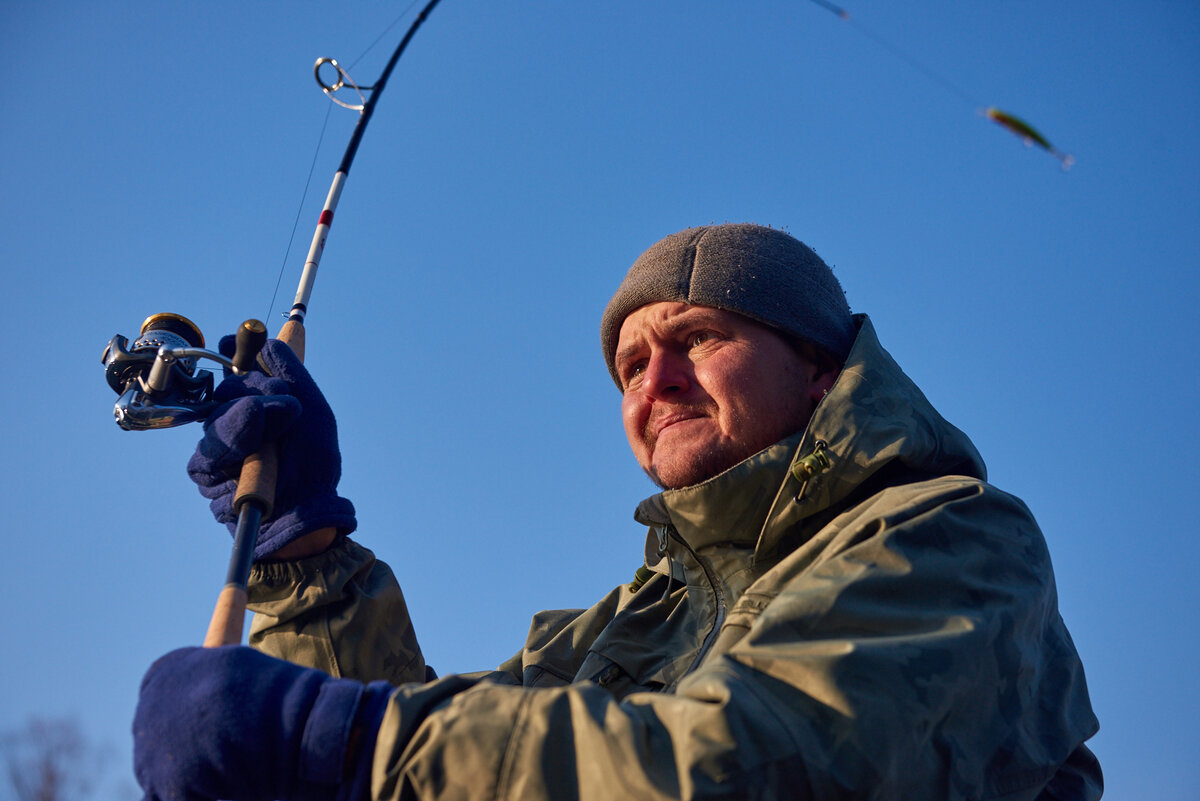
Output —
(153, 158)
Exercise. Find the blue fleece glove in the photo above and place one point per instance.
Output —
(288, 408)
(232, 723)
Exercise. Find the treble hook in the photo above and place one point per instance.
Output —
(344, 79)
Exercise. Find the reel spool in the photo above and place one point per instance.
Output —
(156, 377)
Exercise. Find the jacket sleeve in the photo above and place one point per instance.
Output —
(920, 655)
(341, 611)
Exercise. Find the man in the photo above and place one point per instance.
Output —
(835, 604)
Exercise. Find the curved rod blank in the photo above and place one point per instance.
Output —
(309, 276)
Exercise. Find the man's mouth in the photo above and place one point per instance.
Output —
(656, 425)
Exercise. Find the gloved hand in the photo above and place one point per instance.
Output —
(286, 407)
(232, 723)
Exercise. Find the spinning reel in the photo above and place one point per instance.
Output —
(156, 377)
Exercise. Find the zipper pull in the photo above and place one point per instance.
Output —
(806, 467)
(640, 577)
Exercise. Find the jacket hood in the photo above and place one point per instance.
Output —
(874, 428)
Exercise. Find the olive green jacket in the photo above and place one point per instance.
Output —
(851, 613)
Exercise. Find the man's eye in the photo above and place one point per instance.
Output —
(699, 338)
(632, 373)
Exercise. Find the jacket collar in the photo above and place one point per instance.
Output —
(728, 508)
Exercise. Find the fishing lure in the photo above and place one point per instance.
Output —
(1028, 133)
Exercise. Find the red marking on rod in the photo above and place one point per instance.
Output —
(326, 218)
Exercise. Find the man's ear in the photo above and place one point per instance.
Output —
(824, 377)
(825, 368)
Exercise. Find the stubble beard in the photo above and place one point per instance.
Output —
(716, 457)
(695, 467)
(699, 468)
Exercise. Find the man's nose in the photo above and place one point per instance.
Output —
(667, 376)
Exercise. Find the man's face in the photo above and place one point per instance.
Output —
(706, 388)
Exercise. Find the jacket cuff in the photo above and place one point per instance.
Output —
(275, 581)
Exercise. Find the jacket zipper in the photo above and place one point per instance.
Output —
(710, 576)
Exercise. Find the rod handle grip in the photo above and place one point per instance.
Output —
(260, 470)
(256, 483)
(257, 480)
(292, 335)
(225, 627)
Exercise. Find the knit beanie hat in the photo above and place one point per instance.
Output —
(758, 272)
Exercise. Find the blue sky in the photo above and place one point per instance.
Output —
(154, 156)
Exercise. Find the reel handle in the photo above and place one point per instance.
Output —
(255, 496)
(248, 341)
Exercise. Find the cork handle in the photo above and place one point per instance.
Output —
(225, 628)
(254, 499)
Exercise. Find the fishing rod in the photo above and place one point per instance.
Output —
(159, 385)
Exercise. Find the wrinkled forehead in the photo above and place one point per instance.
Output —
(667, 312)
(663, 319)
(669, 320)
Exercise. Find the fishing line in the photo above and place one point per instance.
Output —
(295, 223)
(386, 31)
(1014, 124)
(919, 66)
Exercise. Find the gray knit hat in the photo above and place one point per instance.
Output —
(760, 272)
